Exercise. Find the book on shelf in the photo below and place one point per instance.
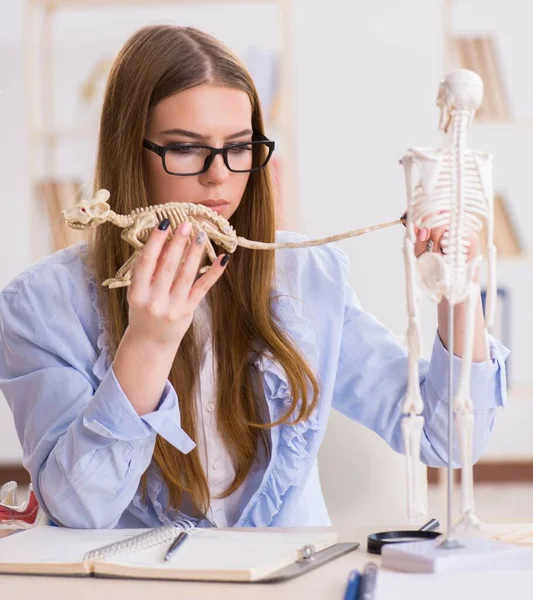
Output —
(507, 238)
(480, 54)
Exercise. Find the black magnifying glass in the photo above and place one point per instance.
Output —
(376, 541)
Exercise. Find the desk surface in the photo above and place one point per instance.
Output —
(326, 582)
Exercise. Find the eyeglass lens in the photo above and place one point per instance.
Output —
(191, 159)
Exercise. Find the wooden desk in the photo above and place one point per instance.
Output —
(327, 582)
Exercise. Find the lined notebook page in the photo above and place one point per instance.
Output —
(54, 549)
(219, 554)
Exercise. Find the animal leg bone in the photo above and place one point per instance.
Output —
(143, 221)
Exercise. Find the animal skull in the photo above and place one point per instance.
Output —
(90, 213)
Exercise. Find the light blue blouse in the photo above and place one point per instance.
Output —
(86, 448)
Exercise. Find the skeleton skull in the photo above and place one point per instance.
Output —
(90, 213)
(460, 90)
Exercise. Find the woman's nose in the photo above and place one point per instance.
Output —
(217, 172)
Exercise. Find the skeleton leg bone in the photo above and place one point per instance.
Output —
(142, 222)
(464, 417)
(412, 427)
(413, 422)
(124, 275)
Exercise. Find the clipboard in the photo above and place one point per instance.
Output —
(310, 562)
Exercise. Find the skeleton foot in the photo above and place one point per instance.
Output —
(116, 282)
(469, 521)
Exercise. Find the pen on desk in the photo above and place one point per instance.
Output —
(367, 587)
(352, 586)
(176, 544)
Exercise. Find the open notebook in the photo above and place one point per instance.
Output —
(208, 554)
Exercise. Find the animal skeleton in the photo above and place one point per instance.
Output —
(138, 225)
(454, 191)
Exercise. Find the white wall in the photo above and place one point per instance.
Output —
(368, 76)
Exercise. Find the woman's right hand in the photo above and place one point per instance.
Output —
(162, 299)
(164, 294)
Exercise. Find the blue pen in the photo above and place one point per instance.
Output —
(352, 587)
(367, 588)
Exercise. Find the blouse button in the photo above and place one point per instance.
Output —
(210, 407)
(216, 465)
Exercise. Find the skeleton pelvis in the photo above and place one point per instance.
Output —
(439, 279)
(435, 274)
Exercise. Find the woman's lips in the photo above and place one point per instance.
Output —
(217, 206)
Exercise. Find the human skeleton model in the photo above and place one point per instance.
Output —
(138, 225)
(454, 191)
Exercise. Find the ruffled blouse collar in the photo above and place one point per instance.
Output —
(289, 462)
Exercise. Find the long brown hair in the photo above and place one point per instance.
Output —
(156, 62)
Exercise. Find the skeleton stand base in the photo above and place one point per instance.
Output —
(470, 553)
(449, 552)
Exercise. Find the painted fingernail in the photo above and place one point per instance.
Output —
(164, 224)
(185, 228)
(225, 260)
(423, 233)
(201, 237)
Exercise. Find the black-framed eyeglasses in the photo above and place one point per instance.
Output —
(184, 159)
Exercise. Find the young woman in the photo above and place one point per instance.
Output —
(202, 397)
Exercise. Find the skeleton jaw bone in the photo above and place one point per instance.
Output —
(15, 515)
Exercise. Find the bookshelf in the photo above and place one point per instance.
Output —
(46, 137)
(479, 52)
(509, 443)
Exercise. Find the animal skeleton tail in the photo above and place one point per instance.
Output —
(244, 243)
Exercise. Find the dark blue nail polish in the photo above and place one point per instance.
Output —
(225, 260)
(164, 224)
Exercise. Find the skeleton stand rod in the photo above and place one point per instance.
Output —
(451, 342)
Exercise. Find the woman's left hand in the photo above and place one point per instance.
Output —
(429, 240)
